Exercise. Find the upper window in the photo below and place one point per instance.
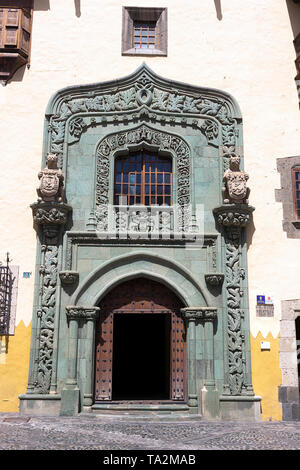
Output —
(144, 35)
(144, 31)
(143, 178)
(289, 194)
(296, 190)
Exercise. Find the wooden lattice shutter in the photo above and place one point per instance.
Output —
(15, 39)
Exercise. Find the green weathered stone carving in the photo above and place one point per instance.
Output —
(76, 312)
(199, 313)
(88, 126)
(144, 93)
(214, 279)
(69, 277)
(234, 217)
(161, 141)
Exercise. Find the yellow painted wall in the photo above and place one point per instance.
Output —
(266, 375)
(14, 366)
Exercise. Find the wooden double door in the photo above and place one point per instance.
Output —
(140, 344)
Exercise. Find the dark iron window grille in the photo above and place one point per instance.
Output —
(5, 296)
(144, 35)
(143, 178)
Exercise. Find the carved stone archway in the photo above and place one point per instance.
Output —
(87, 127)
(156, 140)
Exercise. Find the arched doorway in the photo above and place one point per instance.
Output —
(140, 344)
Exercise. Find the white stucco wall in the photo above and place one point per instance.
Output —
(245, 49)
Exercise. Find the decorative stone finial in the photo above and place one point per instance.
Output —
(235, 183)
(51, 181)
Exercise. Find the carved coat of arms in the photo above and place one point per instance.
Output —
(51, 181)
(235, 188)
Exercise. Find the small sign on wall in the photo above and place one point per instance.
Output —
(264, 306)
(260, 300)
(26, 275)
(264, 300)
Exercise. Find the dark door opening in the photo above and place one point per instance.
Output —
(141, 357)
(140, 350)
(298, 348)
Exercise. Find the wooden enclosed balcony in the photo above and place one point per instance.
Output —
(15, 37)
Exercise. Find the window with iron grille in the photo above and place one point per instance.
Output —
(5, 297)
(296, 190)
(144, 31)
(289, 194)
(144, 35)
(143, 178)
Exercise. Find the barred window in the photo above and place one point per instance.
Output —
(8, 297)
(296, 190)
(143, 178)
(144, 31)
(144, 35)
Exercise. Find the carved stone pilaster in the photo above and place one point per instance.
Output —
(193, 315)
(76, 315)
(233, 218)
(50, 217)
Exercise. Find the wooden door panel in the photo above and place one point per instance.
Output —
(139, 296)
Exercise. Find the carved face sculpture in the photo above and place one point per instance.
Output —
(52, 160)
(235, 162)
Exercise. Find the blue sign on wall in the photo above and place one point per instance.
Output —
(260, 299)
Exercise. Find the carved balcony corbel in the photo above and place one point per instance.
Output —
(68, 278)
(214, 279)
(233, 215)
(51, 216)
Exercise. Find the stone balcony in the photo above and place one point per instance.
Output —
(144, 222)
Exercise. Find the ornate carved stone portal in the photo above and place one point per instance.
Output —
(194, 248)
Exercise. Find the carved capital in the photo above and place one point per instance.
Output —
(50, 216)
(68, 277)
(78, 312)
(199, 313)
(233, 215)
(214, 279)
(53, 213)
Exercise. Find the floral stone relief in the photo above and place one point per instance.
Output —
(144, 96)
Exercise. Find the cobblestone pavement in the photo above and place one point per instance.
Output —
(96, 432)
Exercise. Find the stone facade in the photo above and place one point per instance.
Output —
(143, 113)
(186, 117)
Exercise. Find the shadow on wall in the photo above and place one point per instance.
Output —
(218, 9)
(41, 5)
(293, 7)
(44, 5)
(250, 232)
